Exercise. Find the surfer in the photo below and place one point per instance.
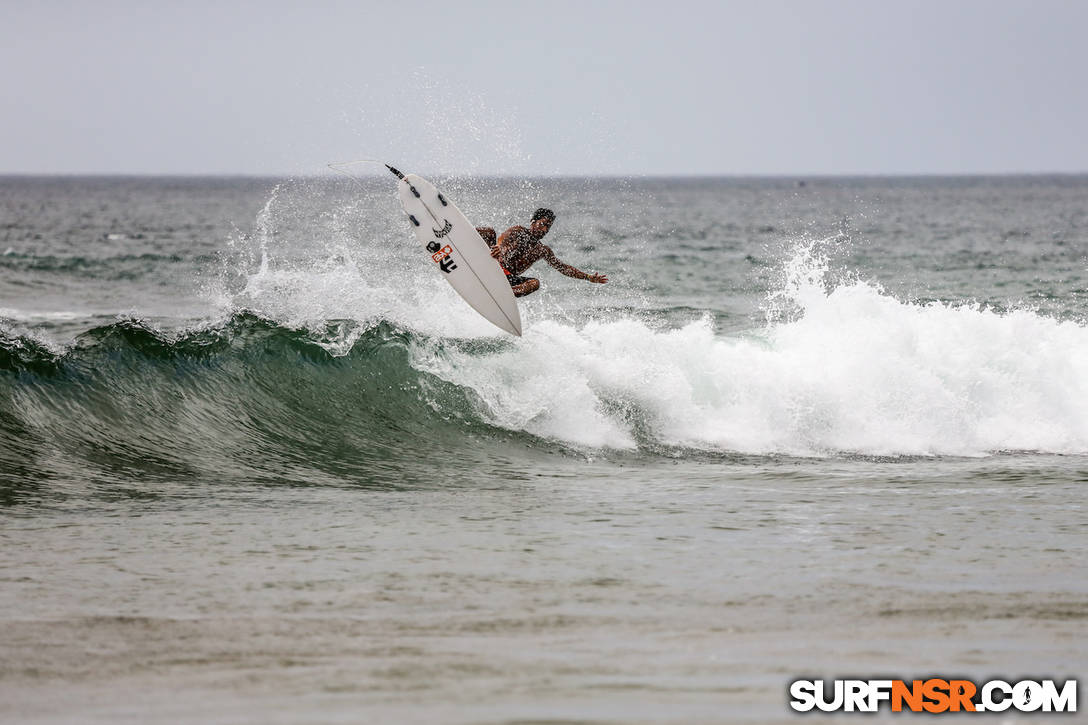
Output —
(519, 248)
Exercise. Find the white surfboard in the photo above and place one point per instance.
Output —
(458, 251)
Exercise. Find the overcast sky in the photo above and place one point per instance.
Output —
(676, 87)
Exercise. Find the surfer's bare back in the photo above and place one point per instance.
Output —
(519, 248)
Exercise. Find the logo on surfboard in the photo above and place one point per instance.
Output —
(439, 233)
(441, 256)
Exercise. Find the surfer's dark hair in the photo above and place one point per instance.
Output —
(543, 213)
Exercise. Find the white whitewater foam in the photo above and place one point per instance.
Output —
(855, 370)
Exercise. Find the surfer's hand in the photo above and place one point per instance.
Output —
(496, 252)
(598, 278)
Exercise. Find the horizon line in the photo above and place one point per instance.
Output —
(609, 176)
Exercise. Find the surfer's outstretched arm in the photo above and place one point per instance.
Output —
(570, 270)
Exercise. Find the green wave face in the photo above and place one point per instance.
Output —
(247, 400)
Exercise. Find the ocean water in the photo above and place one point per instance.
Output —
(258, 463)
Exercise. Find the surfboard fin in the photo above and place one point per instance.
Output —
(395, 172)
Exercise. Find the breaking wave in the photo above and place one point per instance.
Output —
(839, 369)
